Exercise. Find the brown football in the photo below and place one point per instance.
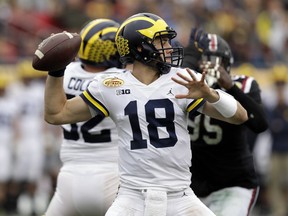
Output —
(56, 51)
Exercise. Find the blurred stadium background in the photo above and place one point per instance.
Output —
(257, 31)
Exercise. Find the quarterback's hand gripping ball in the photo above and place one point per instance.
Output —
(56, 51)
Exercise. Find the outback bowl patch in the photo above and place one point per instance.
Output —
(113, 82)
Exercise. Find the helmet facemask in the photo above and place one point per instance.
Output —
(217, 60)
(211, 63)
(218, 53)
(148, 54)
(163, 60)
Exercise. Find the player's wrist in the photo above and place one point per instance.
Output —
(213, 96)
(226, 105)
(57, 73)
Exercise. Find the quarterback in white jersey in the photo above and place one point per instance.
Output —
(149, 106)
(153, 117)
(88, 180)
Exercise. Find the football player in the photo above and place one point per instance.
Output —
(8, 135)
(149, 106)
(88, 180)
(277, 110)
(223, 170)
(29, 153)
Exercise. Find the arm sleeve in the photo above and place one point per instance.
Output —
(257, 121)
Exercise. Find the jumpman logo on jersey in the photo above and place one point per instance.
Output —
(170, 92)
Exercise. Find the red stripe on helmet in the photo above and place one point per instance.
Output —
(213, 42)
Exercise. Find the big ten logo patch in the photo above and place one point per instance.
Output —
(123, 91)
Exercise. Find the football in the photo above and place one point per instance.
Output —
(56, 51)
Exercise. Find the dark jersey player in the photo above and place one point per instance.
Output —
(223, 173)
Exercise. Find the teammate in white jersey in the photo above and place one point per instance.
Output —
(8, 137)
(150, 106)
(29, 155)
(88, 180)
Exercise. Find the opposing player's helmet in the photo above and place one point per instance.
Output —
(98, 43)
(135, 38)
(218, 52)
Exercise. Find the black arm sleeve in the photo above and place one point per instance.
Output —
(257, 121)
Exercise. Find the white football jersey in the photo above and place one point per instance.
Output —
(31, 102)
(154, 145)
(8, 117)
(30, 149)
(94, 140)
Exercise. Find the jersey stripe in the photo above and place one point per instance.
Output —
(195, 104)
(94, 103)
(213, 44)
(253, 199)
(247, 85)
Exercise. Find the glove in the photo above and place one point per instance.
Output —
(57, 73)
(199, 39)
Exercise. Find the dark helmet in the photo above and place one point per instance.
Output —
(218, 51)
(98, 46)
(135, 38)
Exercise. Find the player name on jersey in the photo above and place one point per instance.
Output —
(78, 84)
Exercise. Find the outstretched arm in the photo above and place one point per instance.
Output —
(219, 105)
(59, 110)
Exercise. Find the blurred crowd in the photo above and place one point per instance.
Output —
(256, 30)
